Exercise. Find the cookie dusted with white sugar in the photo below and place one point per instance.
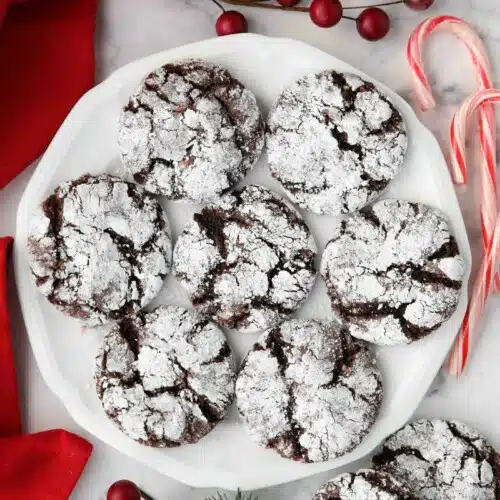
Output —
(99, 248)
(166, 378)
(442, 460)
(308, 391)
(190, 132)
(393, 272)
(334, 142)
(246, 261)
(364, 485)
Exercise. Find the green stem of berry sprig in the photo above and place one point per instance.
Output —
(239, 494)
(263, 5)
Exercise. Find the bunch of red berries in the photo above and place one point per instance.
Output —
(372, 23)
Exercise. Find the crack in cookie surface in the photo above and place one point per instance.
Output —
(99, 248)
(308, 391)
(334, 142)
(442, 460)
(393, 272)
(364, 485)
(166, 378)
(246, 261)
(190, 132)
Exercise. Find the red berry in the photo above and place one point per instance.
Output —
(419, 4)
(325, 13)
(288, 3)
(231, 22)
(373, 24)
(123, 490)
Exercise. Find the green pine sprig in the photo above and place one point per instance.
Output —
(239, 496)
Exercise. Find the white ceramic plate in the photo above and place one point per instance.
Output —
(86, 142)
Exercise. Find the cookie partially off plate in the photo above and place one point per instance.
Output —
(87, 143)
(365, 484)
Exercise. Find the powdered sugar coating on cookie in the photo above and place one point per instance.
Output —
(393, 272)
(308, 391)
(99, 248)
(334, 141)
(190, 132)
(442, 460)
(364, 485)
(166, 378)
(247, 261)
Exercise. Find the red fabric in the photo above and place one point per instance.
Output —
(43, 466)
(3, 8)
(10, 420)
(46, 64)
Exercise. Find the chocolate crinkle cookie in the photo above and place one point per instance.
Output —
(99, 248)
(442, 460)
(190, 132)
(309, 391)
(393, 272)
(166, 378)
(334, 141)
(246, 261)
(364, 485)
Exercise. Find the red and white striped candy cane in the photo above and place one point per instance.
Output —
(487, 127)
(463, 32)
(459, 355)
(460, 352)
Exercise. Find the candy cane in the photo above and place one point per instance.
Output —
(487, 127)
(463, 32)
(460, 352)
(482, 286)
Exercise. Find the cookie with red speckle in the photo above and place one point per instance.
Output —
(393, 272)
(166, 378)
(334, 142)
(309, 391)
(364, 485)
(442, 460)
(190, 132)
(99, 248)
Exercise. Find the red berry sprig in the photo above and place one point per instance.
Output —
(373, 23)
(419, 4)
(126, 490)
(231, 22)
(325, 13)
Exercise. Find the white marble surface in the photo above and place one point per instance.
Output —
(128, 29)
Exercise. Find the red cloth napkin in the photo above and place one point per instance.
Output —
(43, 466)
(46, 64)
